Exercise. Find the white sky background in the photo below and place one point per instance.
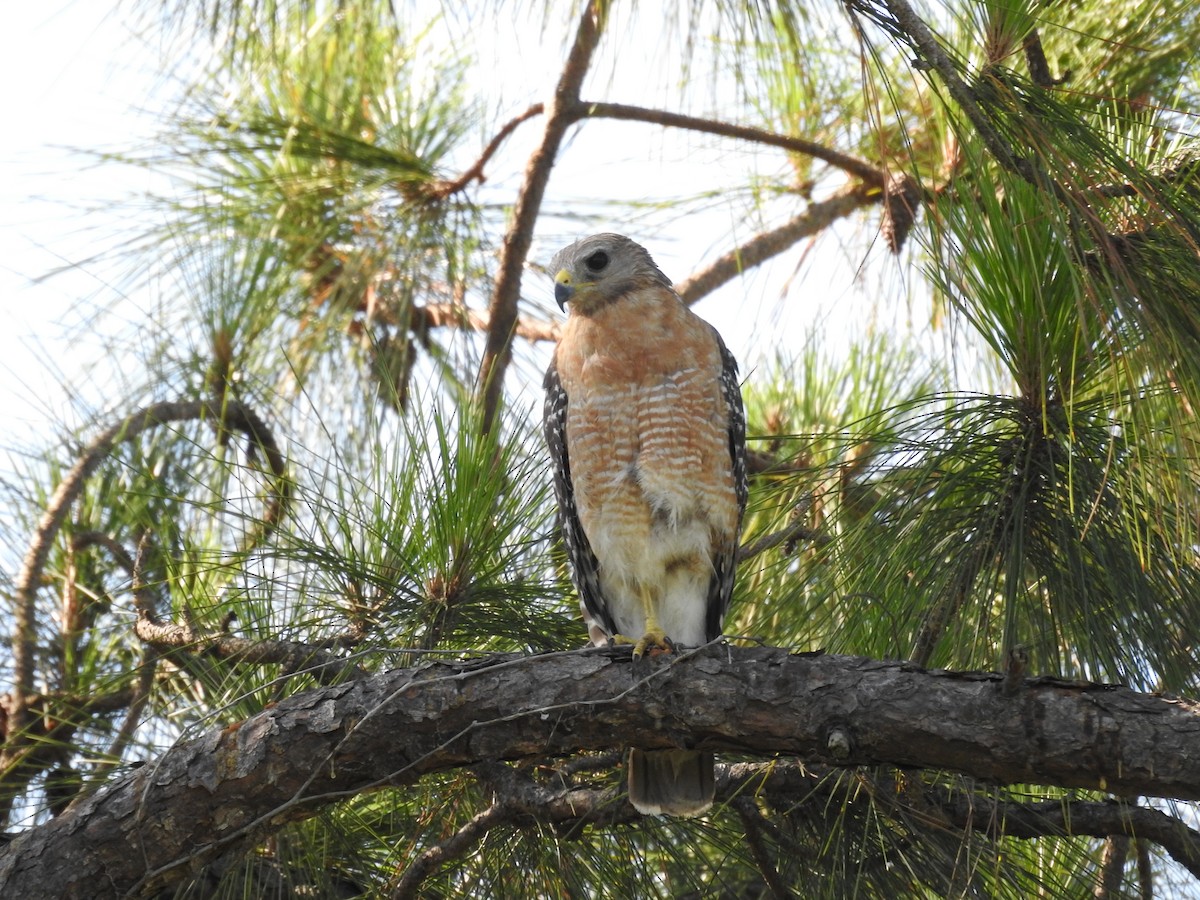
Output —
(73, 75)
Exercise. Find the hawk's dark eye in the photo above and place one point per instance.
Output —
(597, 261)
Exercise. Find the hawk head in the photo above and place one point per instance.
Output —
(596, 270)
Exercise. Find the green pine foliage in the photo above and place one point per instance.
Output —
(1008, 471)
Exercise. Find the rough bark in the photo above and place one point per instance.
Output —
(225, 790)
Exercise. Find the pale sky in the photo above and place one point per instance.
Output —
(74, 77)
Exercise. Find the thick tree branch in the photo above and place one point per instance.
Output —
(223, 791)
(506, 291)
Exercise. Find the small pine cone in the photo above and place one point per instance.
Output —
(900, 197)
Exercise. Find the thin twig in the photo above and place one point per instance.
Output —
(592, 762)
(145, 680)
(133, 715)
(451, 315)
(751, 818)
(506, 291)
(797, 531)
(475, 172)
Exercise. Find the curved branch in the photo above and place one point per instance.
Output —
(225, 790)
(475, 172)
(231, 414)
(506, 291)
(852, 165)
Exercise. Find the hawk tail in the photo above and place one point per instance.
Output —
(670, 782)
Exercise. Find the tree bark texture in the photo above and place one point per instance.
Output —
(222, 792)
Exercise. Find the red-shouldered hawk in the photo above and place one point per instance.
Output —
(646, 430)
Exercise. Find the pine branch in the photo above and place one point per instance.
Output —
(864, 171)
(921, 38)
(506, 291)
(771, 243)
(231, 414)
(475, 171)
(457, 845)
(222, 792)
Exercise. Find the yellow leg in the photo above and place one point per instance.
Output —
(654, 637)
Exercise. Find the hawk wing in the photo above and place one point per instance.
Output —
(585, 570)
(720, 587)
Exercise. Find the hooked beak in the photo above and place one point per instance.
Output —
(563, 289)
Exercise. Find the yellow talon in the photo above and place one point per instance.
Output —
(654, 639)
